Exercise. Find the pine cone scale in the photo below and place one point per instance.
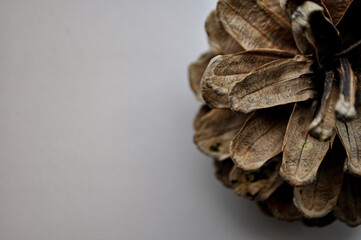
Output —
(302, 154)
(253, 25)
(259, 140)
(277, 83)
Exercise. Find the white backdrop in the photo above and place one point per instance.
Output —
(96, 128)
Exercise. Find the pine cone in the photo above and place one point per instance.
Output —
(282, 117)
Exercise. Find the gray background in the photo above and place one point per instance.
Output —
(96, 128)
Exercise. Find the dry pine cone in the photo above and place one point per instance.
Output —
(282, 117)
